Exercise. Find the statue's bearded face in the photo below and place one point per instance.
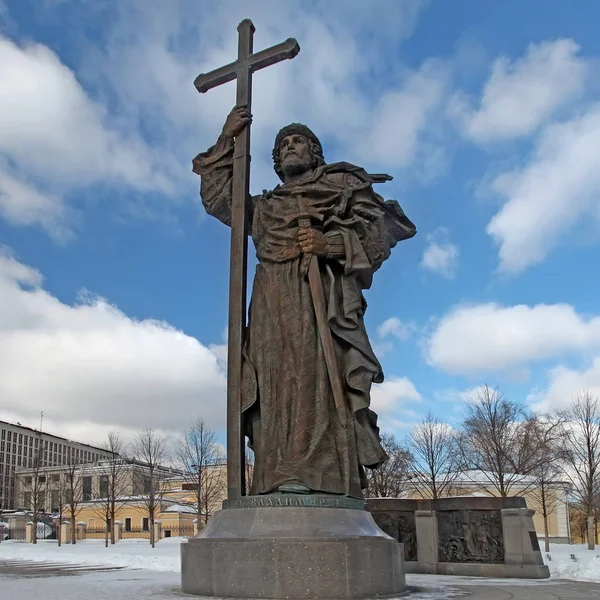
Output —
(294, 155)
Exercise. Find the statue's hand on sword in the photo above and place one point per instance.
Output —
(313, 241)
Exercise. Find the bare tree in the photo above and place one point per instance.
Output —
(150, 448)
(579, 523)
(544, 491)
(113, 485)
(73, 492)
(544, 494)
(436, 460)
(58, 495)
(500, 440)
(582, 437)
(201, 458)
(391, 478)
(39, 482)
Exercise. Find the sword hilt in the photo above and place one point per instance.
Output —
(304, 223)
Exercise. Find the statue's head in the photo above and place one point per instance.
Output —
(297, 150)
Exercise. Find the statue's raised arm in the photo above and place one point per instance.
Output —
(215, 166)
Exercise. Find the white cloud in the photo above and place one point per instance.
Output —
(521, 95)
(59, 139)
(155, 122)
(564, 385)
(91, 368)
(552, 193)
(390, 396)
(150, 68)
(23, 205)
(440, 256)
(49, 123)
(455, 396)
(489, 337)
(393, 136)
(394, 326)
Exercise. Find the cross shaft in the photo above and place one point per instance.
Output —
(242, 70)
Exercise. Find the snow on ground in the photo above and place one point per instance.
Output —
(586, 568)
(134, 554)
(138, 554)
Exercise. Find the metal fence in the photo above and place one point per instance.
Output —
(96, 532)
(132, 533)
(15, 533)
(183, 531)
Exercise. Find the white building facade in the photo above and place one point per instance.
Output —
(21, 447)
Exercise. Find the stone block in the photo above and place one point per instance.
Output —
(292, 552)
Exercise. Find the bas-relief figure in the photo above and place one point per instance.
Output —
(470, 536)
(400, 526)
(300, 441)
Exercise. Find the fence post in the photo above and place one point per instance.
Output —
(65, 532)
(195, 527)
(118, 531)
(2, 533)
(29, 532)
(80, 531)
(157, 531)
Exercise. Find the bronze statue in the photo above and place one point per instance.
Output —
(307, 365)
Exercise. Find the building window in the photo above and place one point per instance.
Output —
(145, 524)
(128, 524)
(55, 478)
(28, 480)
(104, 486)
(27, 500)
(87, 489)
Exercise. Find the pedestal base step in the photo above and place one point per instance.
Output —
(293, 553)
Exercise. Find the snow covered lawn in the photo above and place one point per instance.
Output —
(134, 554)
(586, 568)
(137, 554)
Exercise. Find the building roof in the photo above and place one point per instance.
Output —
(180, 508)
(58, 437)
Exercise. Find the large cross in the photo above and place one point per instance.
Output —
(242, 70)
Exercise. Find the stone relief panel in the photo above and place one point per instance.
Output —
(400, 526)
(470, 536)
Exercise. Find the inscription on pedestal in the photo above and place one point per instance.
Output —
(295, 500)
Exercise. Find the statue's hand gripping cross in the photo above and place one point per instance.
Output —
(242, 70)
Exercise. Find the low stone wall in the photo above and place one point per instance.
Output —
(478, 536)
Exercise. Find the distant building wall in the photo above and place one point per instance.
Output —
(21, 446)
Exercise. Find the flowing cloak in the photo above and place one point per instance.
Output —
(288, 409)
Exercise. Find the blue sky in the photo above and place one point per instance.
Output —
(113, 282)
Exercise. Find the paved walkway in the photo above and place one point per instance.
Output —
(516, 590)
(27, 568)
(21, 581)
(568, 590)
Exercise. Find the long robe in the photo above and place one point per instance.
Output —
(289, 413)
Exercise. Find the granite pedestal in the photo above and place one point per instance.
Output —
(292, 547)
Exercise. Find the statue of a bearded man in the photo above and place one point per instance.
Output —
(289, 415)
